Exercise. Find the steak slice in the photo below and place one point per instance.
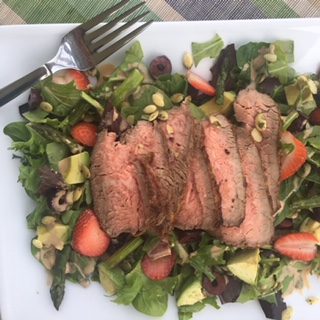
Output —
(224, 158)
(249, 104)
(200, 205)
(257, 227)
(118, 187)
(150, 148)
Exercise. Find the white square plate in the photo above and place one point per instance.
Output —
(24, 293)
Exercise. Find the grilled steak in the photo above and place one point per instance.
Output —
(249, 105)
(118, 188)
(189, 174)
(220, 146)
(200, 205)
(257, 227)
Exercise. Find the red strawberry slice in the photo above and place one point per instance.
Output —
(88, 239)
(85, 133)
(158, 269)
(298, 246)
(200, 84)
(80, 79)
(292, 161)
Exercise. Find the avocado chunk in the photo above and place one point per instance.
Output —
(55, 234)
(71, 167)
(191, 294)
(293, 91)
(245, 264)
(311, 226)
(211, 106)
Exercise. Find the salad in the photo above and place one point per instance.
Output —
(49, 138)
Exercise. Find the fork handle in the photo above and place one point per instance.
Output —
(19, 86)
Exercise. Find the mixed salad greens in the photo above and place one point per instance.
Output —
(43, 139)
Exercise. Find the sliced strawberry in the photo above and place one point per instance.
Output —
(160, 268)
(292, 160)
(200, 83)
(85, 133)
(298, 246)
(88, 239)
(80, 79)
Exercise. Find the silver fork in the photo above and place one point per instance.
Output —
(82, 48)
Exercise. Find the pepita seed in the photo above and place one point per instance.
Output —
(37, 243)
(46, 106)
(151, 108)
(47, 220)
(176, 98)
(272, 47)
(69, 197)
(214, 120)
(85, 171)
(270, 57)
(77, 193)
(130, 119)
(256, 135)
(153, 115)
(158, 99)
(187, 60)
(163, 115)
(260, 122)
(169, 129)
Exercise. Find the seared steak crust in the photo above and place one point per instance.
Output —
(249, 104)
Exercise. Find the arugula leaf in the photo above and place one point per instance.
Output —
(209, 49)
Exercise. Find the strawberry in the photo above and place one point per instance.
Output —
(298, 246)
(292, 160)
(80, 79)
(85, 133)
(88, 239)
(158, 269)
(200, 83)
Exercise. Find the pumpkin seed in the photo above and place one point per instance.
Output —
(47, 220)
(270, 57)
(130, 119)
(153, 115)
(256, 135)
(158, 99)
(151, 108)
(176, 98)
(37, 243)
(85, 171)
(260, 122)
(46, 106)
(77, 193)
(187, 60)
(214, 120)
(163, 115)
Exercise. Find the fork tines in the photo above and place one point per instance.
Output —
(107, 33)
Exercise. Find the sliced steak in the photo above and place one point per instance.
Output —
(220, 146)
(249, 104)
(118, 187)
(150, 148)
(200, 205)
(257, 228)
